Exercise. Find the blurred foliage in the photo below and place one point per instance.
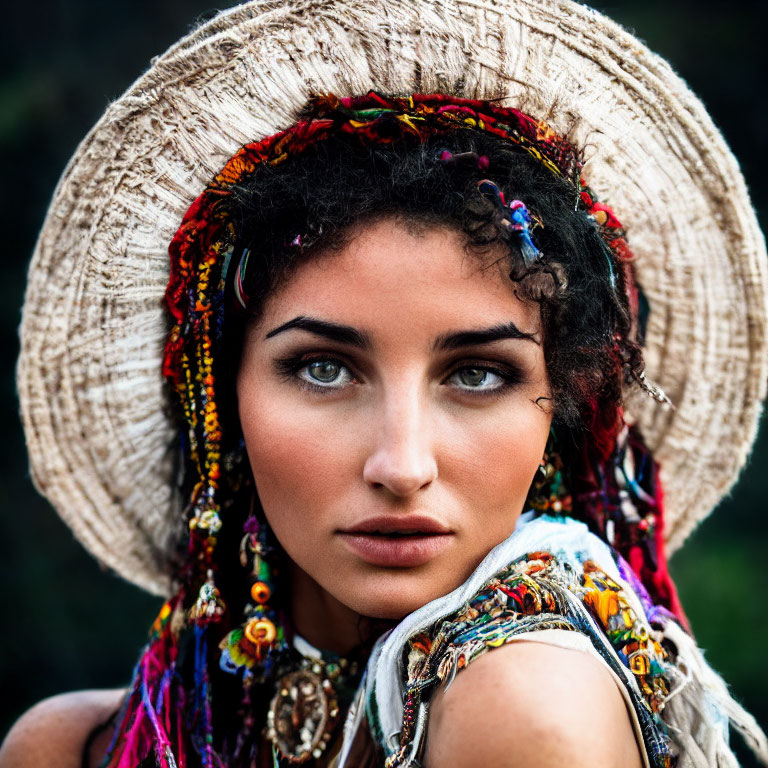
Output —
(68, 624)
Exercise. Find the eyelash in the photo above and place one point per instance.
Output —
(289, 368)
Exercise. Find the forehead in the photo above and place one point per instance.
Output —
(391, 274)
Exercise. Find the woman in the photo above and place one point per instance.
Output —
(388, 313)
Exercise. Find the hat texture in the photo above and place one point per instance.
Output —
(93, 329)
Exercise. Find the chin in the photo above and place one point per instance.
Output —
(393, 601)
(385, 612)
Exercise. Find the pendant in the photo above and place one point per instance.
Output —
(303, 714)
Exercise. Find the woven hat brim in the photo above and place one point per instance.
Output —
(93, 328)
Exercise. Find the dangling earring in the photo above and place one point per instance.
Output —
(208, 607)
(249, 645)
(548, 492)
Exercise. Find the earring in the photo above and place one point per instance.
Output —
(250, 644)
(548, 492)
(208, 607)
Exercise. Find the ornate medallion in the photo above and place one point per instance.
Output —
(303, 714)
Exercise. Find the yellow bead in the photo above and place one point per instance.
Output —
(260, 631)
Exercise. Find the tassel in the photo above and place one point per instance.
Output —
(202, 703)
(163, 751)
(695, 705)
(144, 722)
(516, 218)
(521, 225)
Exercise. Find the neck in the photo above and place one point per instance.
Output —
(325, 622)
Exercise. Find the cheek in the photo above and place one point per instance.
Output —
(298, 459)
(493, 460)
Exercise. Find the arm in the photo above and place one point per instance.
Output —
(527, 704)
(54, 732)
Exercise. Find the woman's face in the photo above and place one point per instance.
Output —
(390, 396)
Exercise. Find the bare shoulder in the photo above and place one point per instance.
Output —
(528, 703)
(55, 731)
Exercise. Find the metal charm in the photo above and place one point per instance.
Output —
(303, 714)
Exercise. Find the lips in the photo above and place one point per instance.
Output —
(386, 525)
(398, 542)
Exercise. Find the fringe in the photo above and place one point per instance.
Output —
(157, 717)
(695, 706)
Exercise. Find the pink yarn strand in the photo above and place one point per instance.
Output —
(128, 757)
(163, 749)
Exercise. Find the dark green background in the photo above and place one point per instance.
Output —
(65, 623)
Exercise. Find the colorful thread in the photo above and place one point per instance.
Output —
(515, 217)
(539, 592)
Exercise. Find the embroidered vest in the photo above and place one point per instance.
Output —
(550, 574)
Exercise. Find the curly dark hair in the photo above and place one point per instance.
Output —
(290, 213)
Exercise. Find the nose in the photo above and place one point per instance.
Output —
(402, 460)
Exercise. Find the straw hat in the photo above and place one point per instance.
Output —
(93, 326)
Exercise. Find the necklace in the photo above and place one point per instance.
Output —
(305, 709)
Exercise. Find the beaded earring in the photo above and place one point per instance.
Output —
(548, 492)
(310, 686)
(248, 647)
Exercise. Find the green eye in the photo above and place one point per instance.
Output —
(328, 374)
(473, 377)
(324, 371)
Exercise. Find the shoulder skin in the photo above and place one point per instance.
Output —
(526, 704)
(54, 732)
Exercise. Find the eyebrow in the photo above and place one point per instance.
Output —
(451, 341)
(346, 334)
